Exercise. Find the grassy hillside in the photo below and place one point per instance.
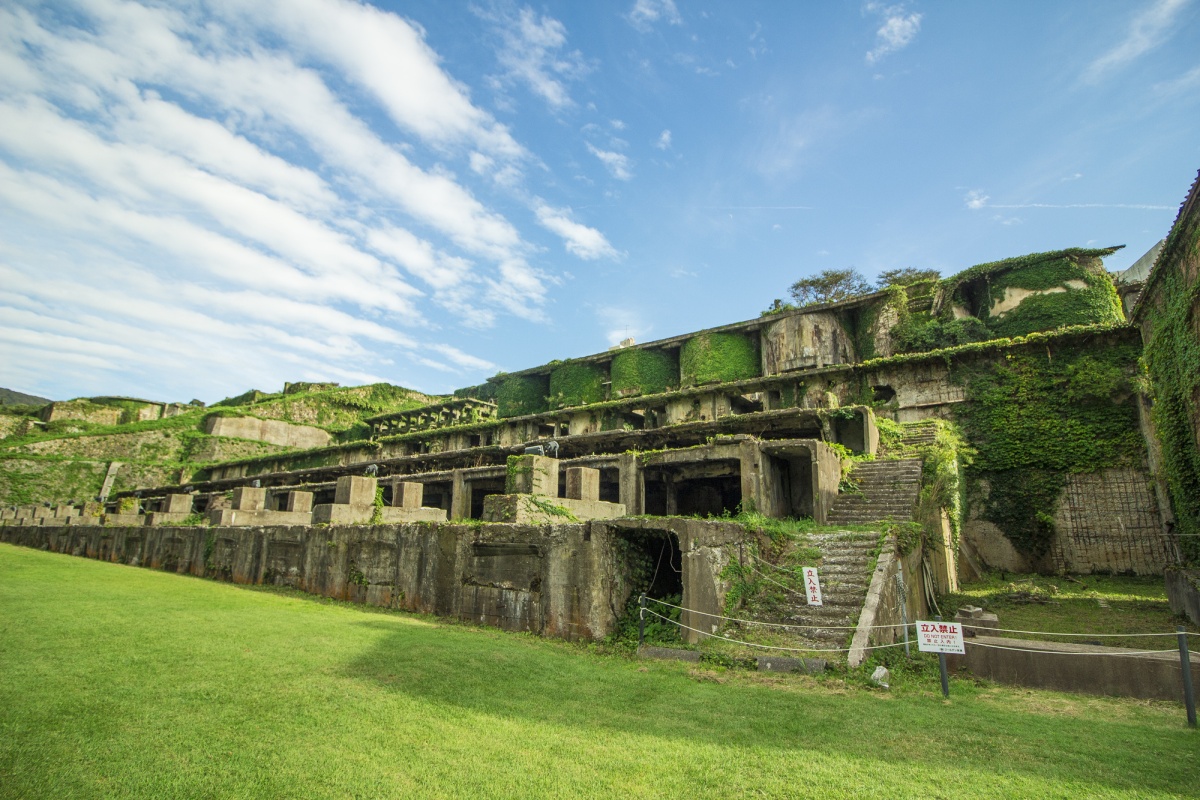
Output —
(66, 460)
(9, 397)
(144, 684)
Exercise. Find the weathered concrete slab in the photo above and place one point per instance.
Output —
(669, 653)
(811, 666)
(528, 509)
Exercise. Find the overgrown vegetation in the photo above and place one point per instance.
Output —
(1170, 315)
(717, 357)
(637, 371)
(519, 395)
(574, 383)
(1037, 416)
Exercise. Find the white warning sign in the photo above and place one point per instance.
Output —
(812, 586)
(940, 637)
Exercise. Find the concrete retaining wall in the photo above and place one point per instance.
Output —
(1103, 671)
(1183, 592)
(570, 580)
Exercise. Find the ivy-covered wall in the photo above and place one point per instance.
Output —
(1037, 415)
(714, 357)
(637, 372)
(1056, 300)
(1169, 316)
(576, 384)
(522, 394)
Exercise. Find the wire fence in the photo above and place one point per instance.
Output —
(1180, 634)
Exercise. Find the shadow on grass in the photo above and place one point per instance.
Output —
(516, 676)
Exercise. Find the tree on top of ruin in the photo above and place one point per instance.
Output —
(829, 286)
(905, 276)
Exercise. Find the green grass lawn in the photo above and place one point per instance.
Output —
(124, 682)
(1084, 604)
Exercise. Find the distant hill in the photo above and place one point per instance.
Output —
(8, 397)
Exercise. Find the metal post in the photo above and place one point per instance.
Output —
(641, 620)
(942, 669)
(1189, 691)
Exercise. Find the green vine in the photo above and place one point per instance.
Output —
(577, 384)
(637, 371)
(1170, 319)
(519, 395)
(1036, 417)
(715, 357)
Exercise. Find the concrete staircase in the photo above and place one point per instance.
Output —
(887, 490)
(845, 572)
(915, 435)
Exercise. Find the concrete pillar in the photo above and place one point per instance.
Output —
(629, 470)
(406, 494)
(247, 498)
(671, 491)
(299, 501)
(532, 475)
(754, 479)
(583, 483)
(355, 491)
(177, 504)
(460, 496)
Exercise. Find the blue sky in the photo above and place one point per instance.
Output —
(201, 198)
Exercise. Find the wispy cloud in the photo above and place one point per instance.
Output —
(622, 323)
(618, 164)
(645, 13)
(897, 31)
(587, 243)
(1187, 82)
(1146, 31)
(976, 200)
(533, 51)
(664, 140)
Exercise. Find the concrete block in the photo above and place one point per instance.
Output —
(976, 621)
(231, 517)
(300, 502)
(342, 514)
(406, 494)
(669, 653)
(583, 483)
(124, 520)
(532, 475)
(248, 498)
(535, 510)
(355, 491)
(177, 504)
(160, 518)
(85, 519)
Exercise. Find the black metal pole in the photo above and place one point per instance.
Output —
(641, 620)
(1189, 691)
(942, 670)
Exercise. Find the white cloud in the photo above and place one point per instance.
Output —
(645, 13)
(1146, 31)
(897, 31)
(664, 140)
(618, 164)
(975, 199)
(621, 324)
(587, 243)
(533, 52)
(1187, 82)
(257, 179)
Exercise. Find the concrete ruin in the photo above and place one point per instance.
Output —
(507, 503)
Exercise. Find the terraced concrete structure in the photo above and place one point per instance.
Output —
(893, 421)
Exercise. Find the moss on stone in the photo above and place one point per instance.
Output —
(638, 372)
(519, 395)
(715, 357)
(577, 384)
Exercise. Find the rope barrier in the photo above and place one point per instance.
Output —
(978, 629)
(768, 646)
(1058, 653)
(773, 624)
